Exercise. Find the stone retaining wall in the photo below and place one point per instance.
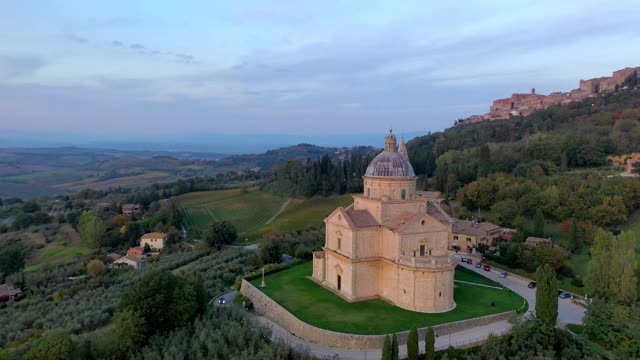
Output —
(268, 308)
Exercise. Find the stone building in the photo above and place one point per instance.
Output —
(631, 166)
(467, 235)
(131, 209)
(155, 240)
(391, 243)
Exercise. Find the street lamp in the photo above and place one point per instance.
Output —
(263, 284)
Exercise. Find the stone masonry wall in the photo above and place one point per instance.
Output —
(268, 308)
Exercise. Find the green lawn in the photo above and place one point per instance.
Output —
(317, 306)
(471, 276)
(576, 328)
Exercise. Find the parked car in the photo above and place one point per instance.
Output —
(531, 285)
(487, 268)
(479, 265)
(504, 274)
(469, 261)
(564, 295)
(222, 301)
(463, 259)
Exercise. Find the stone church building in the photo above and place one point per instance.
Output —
(391, 243)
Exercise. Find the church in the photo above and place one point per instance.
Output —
(391, 243)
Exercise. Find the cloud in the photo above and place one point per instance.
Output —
(117, 43)
(18, 65)
(77, 39)
(136, 46)
(184, 58)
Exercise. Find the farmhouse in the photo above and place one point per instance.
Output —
(391, 243)
(133, 261)
(155, 240)
(136, 251)
(468, 235)
(536, 241)
(8, 293)
(131, 209)
(631, 166)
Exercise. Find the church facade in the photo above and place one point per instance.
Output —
(391, 243)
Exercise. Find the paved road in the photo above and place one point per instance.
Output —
(442, 342)
(229, 297)
(252, 247)
(567, 313)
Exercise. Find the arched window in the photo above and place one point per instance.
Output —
(404, 194)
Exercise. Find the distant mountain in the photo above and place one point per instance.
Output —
(300, 152)
(190, 143)
(33, 172)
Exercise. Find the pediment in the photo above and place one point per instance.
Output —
(340, 217)
(418, 223)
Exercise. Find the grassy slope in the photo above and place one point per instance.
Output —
(301, 214)
(250, 211)
(320, 307)
(61, 250)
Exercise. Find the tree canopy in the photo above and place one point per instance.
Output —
(221, 233)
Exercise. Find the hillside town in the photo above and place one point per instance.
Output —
(523, 104)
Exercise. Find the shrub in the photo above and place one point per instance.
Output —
(96, 268)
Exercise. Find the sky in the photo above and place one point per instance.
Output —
(145, 68)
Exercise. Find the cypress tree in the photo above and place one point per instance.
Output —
(386, 349)
(395, 351)
(564, 163)
(546, 296)
(412, 345)
(538, 223)
(575, 236)
(430, 344)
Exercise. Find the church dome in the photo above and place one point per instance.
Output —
(390, 162)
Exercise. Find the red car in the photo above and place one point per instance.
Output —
(469, 261)
(487, 268)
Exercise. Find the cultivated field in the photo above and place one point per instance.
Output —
(254, 212)
(245, 210)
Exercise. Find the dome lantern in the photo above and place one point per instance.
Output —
(390, 142)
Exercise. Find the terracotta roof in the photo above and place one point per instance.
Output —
(361, 218)
(437, 212)
(318, 254)
(114, 256)
(5, 290)
(469, 228)
(136, 259)
(153, 235)
(131, 206)
(401, 220)
(429, 194)
(537, 240)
